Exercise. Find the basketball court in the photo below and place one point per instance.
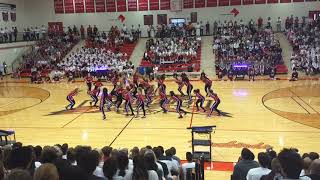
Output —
(255, 115)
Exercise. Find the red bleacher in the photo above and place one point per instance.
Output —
(176, 66)
(27, 73)
(281, 69)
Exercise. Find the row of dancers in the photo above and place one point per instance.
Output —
(140, 90)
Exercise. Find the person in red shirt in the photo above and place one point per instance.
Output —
(71, 99)
(98, 84)
(216, 103)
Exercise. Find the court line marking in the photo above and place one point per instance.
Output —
(76, 117)
(304, 101)
(19, 99)
(300, 105)
(241, 130)
(121, 131)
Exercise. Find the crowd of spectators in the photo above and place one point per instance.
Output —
(113, 38)
(236, 43)
(305, 39)
(288, 164)
(171, 50)
(47, 53)
(97, 61)
(8, 35)
(61, 162)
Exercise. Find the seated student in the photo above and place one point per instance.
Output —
(256, 173)
(294, 75)
(188, 165)
(272, 73)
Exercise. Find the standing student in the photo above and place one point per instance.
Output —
(251, 73)
(200, 99)
(179, 110)
(71, 99)
(103, 100)
(216, 103)
(140, 103)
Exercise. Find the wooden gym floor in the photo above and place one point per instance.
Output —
(277, 113)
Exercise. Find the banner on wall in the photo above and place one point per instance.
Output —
(6, 9)
(58, 6)
(5, 16)
(13, 16)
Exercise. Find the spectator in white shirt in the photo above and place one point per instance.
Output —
(188, 165)
(256, 173)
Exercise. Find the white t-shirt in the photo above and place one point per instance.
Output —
(256, 173)
(186, 166)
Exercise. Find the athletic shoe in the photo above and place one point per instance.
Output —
(143, 117)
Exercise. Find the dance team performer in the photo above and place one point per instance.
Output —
(89, 79)
(207, 82)
(179, 110)
(71, 99)
(94, 95)
(186, 81)
(140, 103)
(216, 103)
(200, 99)
(103, 101)
(179, 83)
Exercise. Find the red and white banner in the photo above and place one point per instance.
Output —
(187, 4)
(79, 6)
(5, 16)
(13, 16)
(223, 2)
(154, 4)
(164, 4)
(247, 2)
(111, 6)
(58, 6)
(68, 6)
(212, 3)
(235, 2)
(55, 27)
(132, 5)
(260, 1)
(143, 5)
(121, 5)
(100, 6)
(199, 3)
(90, 6)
